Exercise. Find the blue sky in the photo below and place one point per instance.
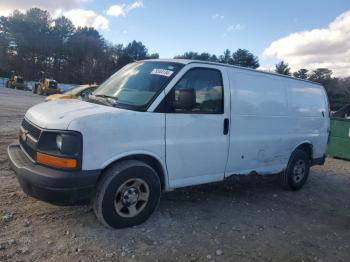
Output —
(172, 27)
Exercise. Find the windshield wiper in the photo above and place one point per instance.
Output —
(106, 100)
(105, 96)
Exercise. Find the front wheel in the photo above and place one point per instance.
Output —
(127, 194)
(297, 171)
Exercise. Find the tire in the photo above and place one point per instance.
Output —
(7, 84)
(297, 171)
(118, 202)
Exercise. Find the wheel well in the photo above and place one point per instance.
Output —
(306, 147)
(152, 161)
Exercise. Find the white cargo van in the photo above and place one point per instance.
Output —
(157, 125)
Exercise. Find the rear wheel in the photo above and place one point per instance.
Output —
(127, 194)
(7, 84)
(297, 171)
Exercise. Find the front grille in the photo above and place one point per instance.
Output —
(27, 149)
(32, 130)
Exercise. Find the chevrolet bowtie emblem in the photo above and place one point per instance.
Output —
(24, 135)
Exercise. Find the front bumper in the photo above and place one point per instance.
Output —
(51, 185)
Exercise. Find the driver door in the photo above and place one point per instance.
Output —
(197, 123)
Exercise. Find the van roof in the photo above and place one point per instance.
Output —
(189, 61)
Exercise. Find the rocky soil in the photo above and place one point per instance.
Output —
(240, 219)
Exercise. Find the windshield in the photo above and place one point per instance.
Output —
(53, 84)
(136, 84)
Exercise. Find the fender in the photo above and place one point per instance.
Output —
(141, 152)
(304, 142)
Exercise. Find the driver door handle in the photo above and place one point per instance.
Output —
(226, 126)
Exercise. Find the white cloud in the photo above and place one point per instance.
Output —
(116, 10)
(123, 9)
(233, 28)
(49, 5)
(326, 47)
(134, 5)
(5, 12)
(217, 16)
(68, 8)
(82, 17)
(236, 27)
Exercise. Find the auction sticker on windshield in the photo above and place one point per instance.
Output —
(162, 72)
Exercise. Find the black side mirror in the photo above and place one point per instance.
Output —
(186, 99)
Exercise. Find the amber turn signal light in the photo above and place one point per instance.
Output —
(55, 161)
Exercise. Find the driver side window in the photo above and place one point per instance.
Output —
(200, 90)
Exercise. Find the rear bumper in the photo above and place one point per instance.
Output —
(51, 185)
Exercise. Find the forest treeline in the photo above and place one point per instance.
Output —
(34, 42)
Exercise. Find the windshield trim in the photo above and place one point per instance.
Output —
(144, 108)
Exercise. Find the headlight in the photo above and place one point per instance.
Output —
(68, 143)
(59, 141)
(60, 149)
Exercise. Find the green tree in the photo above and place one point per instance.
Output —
(187, 55)
(321, 75)
(62, 30)
(282, 68)
(213, 58)
(4, 43)
(244, 58)
(301, 73)
(196, 56)
(32, 42)
(86, 48)
(153, 56)
(136, 51)
(226, 58)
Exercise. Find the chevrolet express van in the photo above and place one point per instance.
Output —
(157, 125)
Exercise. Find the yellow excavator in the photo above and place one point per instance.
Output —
(46, 86)
(15, 81)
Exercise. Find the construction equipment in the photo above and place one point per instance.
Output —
(46, 86)
(15, 81)
(81, 91)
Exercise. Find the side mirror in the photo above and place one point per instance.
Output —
(186, 99)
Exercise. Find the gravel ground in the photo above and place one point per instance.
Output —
(241, 219)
